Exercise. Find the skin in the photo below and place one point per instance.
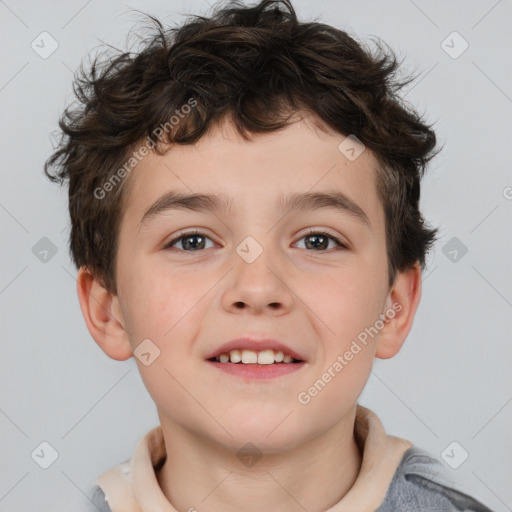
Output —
(315, 300)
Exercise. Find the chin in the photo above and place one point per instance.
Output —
(270, 434)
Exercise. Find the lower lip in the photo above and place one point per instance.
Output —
(258, 371)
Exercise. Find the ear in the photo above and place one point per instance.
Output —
(401, 305)
(102, 314)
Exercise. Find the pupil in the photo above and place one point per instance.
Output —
(317, 237)
(186, 241)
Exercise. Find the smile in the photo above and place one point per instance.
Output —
(249, 368)
(261, 357)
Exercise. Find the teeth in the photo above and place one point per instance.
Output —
(248, 356)
(234, 355)
(267, 356)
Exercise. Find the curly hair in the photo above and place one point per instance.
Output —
(258, 65)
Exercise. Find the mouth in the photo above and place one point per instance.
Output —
(256, 360)
(253, 357)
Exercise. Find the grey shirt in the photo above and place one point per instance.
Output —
(420, 483)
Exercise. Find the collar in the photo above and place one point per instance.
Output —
(133, 487)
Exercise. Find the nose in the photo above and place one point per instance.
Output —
(258, 287)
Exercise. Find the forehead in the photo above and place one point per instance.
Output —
(257, 175)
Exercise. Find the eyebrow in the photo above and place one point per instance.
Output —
(221, 203)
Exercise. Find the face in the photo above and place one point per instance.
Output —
(190, 280)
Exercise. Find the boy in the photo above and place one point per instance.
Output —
(244, 197)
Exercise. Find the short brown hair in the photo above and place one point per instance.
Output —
(258, 65)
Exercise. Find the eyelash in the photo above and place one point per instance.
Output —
(340, 245)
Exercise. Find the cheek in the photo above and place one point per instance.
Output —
(162, 300)
(163, 306)
(346, 303)
(348, 308)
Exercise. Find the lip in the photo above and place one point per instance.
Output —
(256, 345)
(257, 372)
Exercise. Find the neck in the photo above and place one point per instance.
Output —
(201, 474)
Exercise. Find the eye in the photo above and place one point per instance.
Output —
(320, 240)
(193, 241)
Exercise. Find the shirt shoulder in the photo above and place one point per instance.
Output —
(98, 500)
(421, 482)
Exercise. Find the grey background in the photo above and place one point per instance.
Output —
(452, 379)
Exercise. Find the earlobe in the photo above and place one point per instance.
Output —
(402, 303)
(103, 316)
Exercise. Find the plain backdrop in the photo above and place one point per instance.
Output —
(451, 382)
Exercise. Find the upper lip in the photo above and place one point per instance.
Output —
(256, 345)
